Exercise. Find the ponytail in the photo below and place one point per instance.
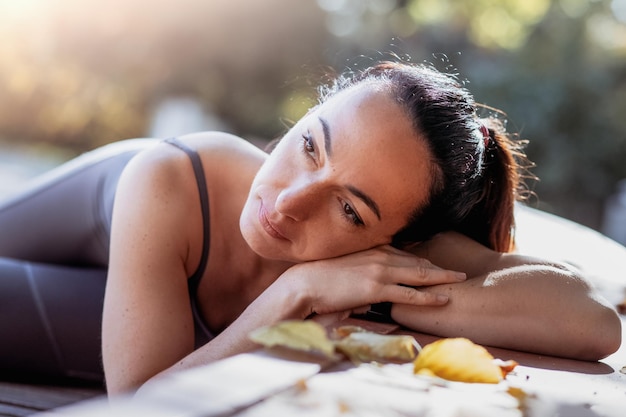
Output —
(481, 205)
(491, 220)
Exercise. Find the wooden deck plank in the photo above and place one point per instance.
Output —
(12, 411)
(19, 399)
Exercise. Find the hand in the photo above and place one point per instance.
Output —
(380, 274)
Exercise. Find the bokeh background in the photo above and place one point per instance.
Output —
(77, 74)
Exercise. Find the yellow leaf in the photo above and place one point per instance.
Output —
(358, 344)
(369, 346)
(459, 359)
(304, 335)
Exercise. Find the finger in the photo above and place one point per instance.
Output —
(428, 274)
(407, 295)
(421, 273)
(424, 271)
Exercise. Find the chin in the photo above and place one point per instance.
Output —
(272, 253)
(259, 245)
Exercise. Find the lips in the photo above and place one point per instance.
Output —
(269, 227)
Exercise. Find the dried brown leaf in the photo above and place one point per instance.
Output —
(363, 346)
(303, 335)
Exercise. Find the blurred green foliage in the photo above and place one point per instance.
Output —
(81, 73)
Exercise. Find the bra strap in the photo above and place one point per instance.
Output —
(196, 162)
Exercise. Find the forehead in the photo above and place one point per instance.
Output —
(376, 148)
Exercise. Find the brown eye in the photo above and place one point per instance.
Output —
(351, 215)
(307, 143)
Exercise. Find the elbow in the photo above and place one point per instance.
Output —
(588, 337)
(600, 323)
(607, 336)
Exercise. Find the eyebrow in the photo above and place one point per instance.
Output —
(369, 202)
(327, 141)
(366, 199)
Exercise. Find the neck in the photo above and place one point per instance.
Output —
(237, 276)
(266, 271)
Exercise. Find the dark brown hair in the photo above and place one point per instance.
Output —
(477, 174)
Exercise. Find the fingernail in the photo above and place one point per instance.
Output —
(461, 276)
(442, 298)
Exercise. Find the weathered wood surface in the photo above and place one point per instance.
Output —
(280, 383)
(22, 399)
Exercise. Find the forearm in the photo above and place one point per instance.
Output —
(536, 308)
(277, 303)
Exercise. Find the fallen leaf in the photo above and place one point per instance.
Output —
(304, 335)
(345, 331)
(505, 366)
(368, 347)
(459, 359)
(522, 398)
(358, 344)
(301, 385)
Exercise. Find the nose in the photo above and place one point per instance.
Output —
(298, 199)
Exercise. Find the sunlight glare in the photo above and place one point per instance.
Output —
(574, 8)
(529, 11)
(619, 10)
(429, 11)
(21, 8)
(495, 26)
(607, 32)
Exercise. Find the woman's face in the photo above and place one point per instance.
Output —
(345, 178)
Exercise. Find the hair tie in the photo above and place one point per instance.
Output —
(486, 136)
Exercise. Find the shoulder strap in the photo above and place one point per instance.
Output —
(196, 162)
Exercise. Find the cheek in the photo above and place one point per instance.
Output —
(336, 241)
(246, 219)
(276, 168)
(266, 179)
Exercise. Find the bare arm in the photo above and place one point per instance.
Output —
(156, 243)
(515, 302)
(147, 319)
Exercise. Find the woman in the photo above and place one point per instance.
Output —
(390, 190)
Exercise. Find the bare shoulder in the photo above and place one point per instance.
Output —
(218, 145)
(164, 165)
(157, 177)
(230, 162)
(162, 174)
(158, 190)
(212, 145)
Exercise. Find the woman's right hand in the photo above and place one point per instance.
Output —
(352, 281)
